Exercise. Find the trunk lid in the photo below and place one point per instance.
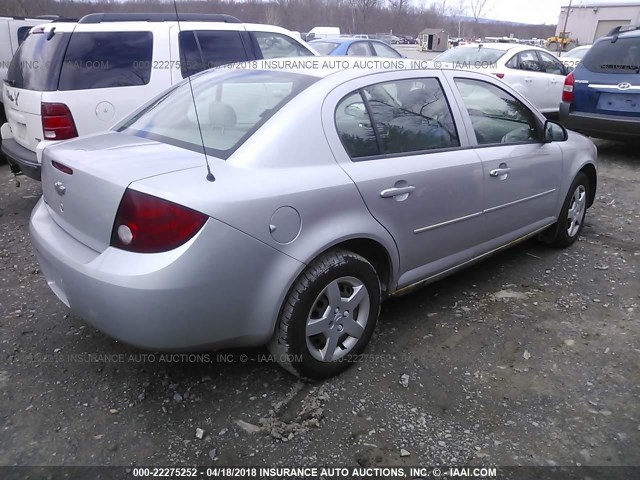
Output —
(85, 203)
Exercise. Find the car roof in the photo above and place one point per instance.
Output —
(341, 40)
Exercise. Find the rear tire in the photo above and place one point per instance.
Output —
(552, 46)
(328, 316)
(571, 219)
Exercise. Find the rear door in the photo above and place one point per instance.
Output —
(607, 80)
(396, 137)
(34, 69)
(520, 173)
(533, 81)
(556, 73)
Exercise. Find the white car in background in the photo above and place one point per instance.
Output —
(532, 71)
(573, 57)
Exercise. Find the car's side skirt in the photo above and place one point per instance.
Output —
(454, 269)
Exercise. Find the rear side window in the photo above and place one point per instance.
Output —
(275, 45)
(36, 64)
(622, 56)
(204, 49)
(106, 60)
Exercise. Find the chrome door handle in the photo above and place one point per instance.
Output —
(497, 172)
(397, 191)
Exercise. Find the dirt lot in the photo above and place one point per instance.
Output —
(532, 357)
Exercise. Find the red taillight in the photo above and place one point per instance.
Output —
(499, 75)
(147, 224)
(57, 122)
(61, 167)
(567, 90)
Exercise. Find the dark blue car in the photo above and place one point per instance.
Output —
(360, 47)
(601, 97)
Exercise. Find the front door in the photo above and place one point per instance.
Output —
(521, 173)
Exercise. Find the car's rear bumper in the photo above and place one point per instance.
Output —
(597, 125)
(222, 288)
(22, 157)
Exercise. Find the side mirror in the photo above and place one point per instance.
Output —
(554, 132)
(356, 109)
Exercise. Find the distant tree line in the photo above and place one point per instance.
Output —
(352, 16)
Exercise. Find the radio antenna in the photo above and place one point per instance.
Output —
(210, 176)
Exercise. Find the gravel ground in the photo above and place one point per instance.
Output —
(529, 358)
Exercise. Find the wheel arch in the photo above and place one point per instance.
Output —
(590, 171)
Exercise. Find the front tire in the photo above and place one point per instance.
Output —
(328, 317)
(571, 219)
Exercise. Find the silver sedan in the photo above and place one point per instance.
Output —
(279, 208)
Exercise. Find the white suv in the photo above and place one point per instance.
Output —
(72, 79)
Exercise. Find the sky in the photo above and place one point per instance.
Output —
(534, 11)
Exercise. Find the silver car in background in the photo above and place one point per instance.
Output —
(330, 190)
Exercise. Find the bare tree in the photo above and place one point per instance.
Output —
(479, 8)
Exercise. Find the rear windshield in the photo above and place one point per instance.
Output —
(231, 106)
(471, 54)
(622, 56)
(36, 63)
(324, 48)
(107, 59)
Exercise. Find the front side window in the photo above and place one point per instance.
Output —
(231, 106)
(400, 117)
(204, 49)
(107, 59)
(550, 64)
(276, 45)
(497, 116)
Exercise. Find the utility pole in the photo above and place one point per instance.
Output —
(564, 28)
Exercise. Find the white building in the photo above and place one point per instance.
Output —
(589, 20)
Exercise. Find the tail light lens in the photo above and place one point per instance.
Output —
(567, 90)
(499, 75)
(148, 224)
(57, 122)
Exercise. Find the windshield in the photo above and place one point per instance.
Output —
(231, 106)
(36, 64)
(324, 48)
(622, 56)
(471, 54)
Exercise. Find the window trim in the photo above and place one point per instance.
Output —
(465, 112)
(374, 127)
